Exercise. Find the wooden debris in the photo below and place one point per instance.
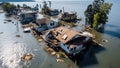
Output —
(4, 22)
(18, 36)
(70, 66)
(27, 57)
(104, 40)
(1, 32)
(59, 60)
(40, 40)
(53, 53)
(97, 43)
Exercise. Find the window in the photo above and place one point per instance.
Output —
(52, 23)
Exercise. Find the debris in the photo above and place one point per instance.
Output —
(27, 57)
(59, 60)
(97, 43)
(18, 36)
(53, 53)
(26, 30)
(4, 22)
(8, 20)
(40, 40)
(62, 54)
(11, 61)
(70, 66)
(1, 32)
(58, 56)
(104, 40)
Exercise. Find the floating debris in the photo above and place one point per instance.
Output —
(59, 60)
(70, 66)
(104, 40)
(40, 40)
(27, 57)
(53, 53)
(11, 61)
(58, 56)
(1, 32)
(8, 20)
(18, 36)
(26, 30)
(97, 43)
(4, 22)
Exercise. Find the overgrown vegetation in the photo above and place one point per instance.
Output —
(97, 13)
(8, 8)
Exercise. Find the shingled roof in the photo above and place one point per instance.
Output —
(64, 34)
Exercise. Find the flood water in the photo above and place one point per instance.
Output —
(12, 48)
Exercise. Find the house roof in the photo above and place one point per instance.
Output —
(43, 21)
(64, 34)
(29, 12)
(28, 15)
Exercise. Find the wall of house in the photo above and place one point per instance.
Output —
(42, 28)
(69, 51)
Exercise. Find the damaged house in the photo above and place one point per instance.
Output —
(45, 24)
(72, 42)
(27, 17)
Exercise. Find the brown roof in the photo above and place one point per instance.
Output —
(64, 34)
(43, 21)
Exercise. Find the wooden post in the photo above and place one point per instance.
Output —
(63, 10)
(17, 25)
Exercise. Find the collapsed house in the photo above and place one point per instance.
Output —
(72, 42)
(69, 16)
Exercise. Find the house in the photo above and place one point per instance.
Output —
(27, 17)
(72, 42)
(69, 16)
(45, 24)
(49, 11)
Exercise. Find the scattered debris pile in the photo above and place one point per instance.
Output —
(27, 57)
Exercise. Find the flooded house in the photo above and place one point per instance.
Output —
(45, 24)
(72, 42)
(69, 16)
(27, 17)
(49, 11)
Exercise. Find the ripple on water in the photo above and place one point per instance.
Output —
(12, 53)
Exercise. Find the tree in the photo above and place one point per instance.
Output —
(104, 10)
(8, 8)
(96, 20)
(98, 14)
(18, 6)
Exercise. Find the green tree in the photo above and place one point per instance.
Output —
(8, 8)
(99, 14)
(96, 20)
(104, 10)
